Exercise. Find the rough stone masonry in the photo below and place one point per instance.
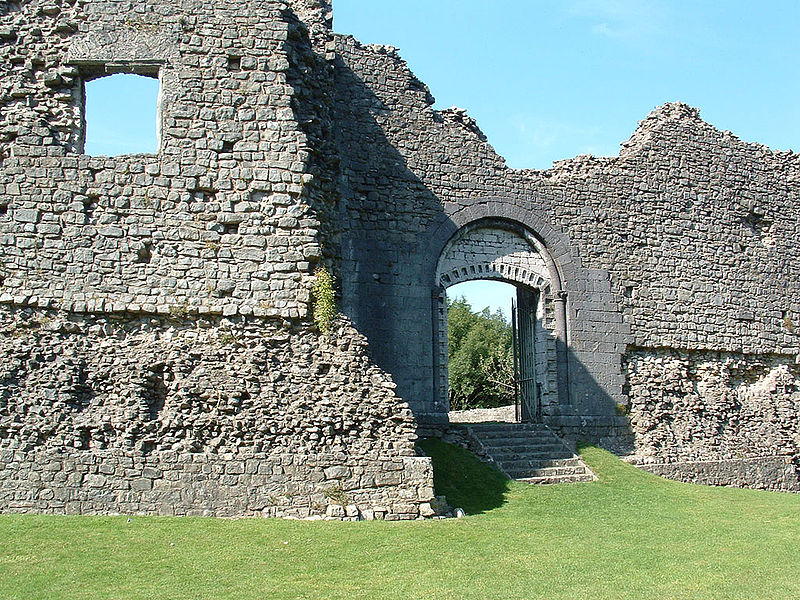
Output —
(157, 353)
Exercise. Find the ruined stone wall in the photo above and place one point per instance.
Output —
(685, 241)
(156, 354)
(220, 221)
(692, 411)
(209, 416)
(142, 383)
(154, 320)
(433, 172)
(251, 484)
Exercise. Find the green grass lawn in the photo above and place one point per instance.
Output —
(629, 535)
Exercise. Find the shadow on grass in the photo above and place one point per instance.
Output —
(467, 482)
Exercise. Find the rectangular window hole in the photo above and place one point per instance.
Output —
(3, 209)
(227, 146)
(230, 228)
(121, 109)
(234, 63)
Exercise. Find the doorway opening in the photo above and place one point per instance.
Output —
(497, 357)
(480, 353)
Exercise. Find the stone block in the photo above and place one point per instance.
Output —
(335, 511)
(141, 485)
(95, 481)
(151, 473)
(337, 472)
(27, 215)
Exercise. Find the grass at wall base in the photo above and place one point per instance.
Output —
(628, 535)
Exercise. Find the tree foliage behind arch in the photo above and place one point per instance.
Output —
(480, 359)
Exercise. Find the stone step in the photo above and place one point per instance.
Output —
(557, 479)
(506, 427)
(513, 452)
(527, 446)
(514, 435)
(536, 462)
(518, 471)
(530, 452)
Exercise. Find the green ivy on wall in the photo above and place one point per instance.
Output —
(324, 298)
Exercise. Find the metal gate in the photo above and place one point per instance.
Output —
(523, 331)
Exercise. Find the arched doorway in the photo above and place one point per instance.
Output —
(503, 250)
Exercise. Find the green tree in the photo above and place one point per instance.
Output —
(480, 360)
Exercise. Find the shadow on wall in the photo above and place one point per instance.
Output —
(592, 415)
(383, 210)
(386, 216)
(310, 77)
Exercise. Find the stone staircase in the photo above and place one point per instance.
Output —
(529, 452)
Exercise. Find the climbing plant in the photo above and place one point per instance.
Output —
(324, 299)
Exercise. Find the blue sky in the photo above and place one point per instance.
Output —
(493, 295)
(548, 80)
(121, 115)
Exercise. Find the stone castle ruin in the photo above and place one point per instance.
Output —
(157, 351)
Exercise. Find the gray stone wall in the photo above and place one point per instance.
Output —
(290, 485)
(156, 354)
(693, 410)
(433, 173)
(228, 411)
(777, 473)
(225, 219)
(141, 383)
(685, 241)
(156, 350)
(90, 404)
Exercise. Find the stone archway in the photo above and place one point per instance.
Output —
(504, 250)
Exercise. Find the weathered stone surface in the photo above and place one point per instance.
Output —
(214, 413)
(716, 417)
(132, 227)
(686, 240)
(156, 349)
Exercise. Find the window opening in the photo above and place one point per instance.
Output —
(121, 115)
